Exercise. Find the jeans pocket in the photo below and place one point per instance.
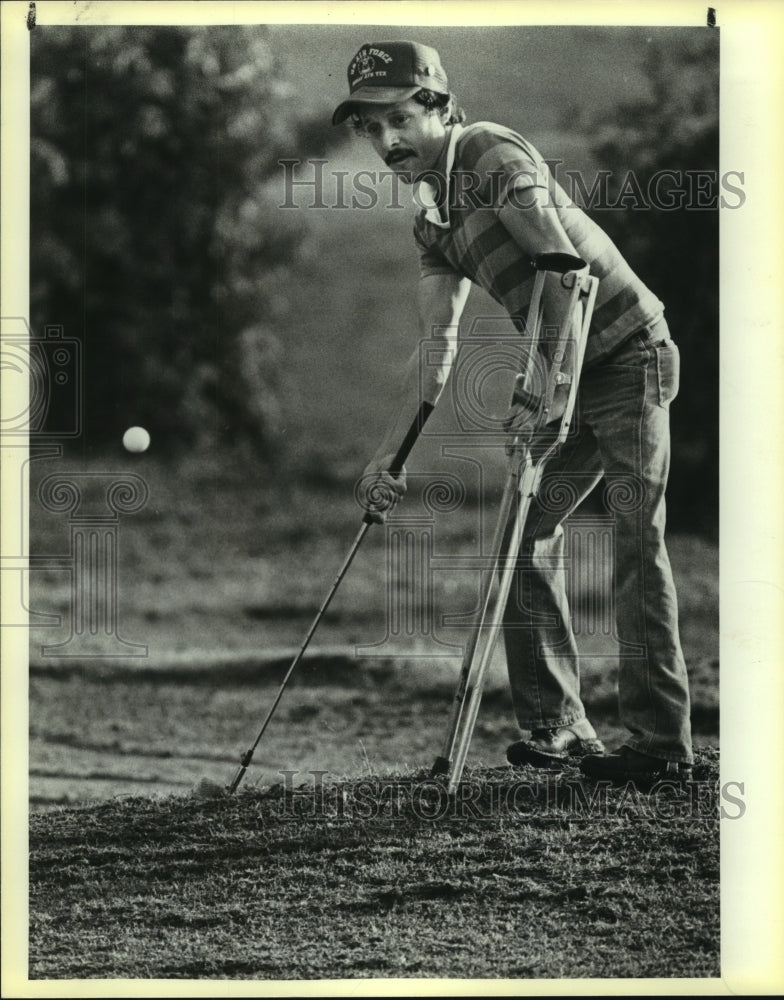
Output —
(668, 370)
(632, 353)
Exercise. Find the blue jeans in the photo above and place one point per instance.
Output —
(620, 432)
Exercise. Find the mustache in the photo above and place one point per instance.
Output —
(397, 154)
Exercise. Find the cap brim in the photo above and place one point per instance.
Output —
(372, 95)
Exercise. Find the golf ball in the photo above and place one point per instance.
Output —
(136, 439)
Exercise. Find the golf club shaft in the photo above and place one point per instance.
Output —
(246, 759)
(395, 469)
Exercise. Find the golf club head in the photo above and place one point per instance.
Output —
(441, 765)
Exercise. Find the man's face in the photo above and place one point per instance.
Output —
(406, 136)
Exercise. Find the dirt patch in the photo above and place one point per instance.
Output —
(156, 730)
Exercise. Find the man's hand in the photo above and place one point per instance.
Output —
(524, 415)
(378, 491)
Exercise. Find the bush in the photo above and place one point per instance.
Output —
(152, 234)
(676, 252)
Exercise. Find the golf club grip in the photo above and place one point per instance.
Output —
(409, 440)
(397, 463)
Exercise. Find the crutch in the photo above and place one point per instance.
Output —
(523, 480)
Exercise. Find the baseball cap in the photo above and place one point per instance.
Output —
(388, 72)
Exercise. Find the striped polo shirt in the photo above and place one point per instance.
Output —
(484, 163)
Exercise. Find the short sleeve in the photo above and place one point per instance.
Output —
(520, 171)
(500, 161)
(431, 259)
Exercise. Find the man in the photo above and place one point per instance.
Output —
(493, 206)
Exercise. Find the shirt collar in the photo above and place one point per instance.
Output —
(426, 194)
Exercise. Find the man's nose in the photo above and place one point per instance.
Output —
(389, 139)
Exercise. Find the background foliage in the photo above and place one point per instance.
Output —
(151, 237)
(676, 251)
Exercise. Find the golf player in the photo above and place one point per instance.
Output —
(487, 204)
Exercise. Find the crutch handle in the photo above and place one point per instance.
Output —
(560, 263)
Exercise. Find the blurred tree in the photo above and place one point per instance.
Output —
(154, 235)
(662, 210)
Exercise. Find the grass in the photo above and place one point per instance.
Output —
(383, 876)
(134, 874)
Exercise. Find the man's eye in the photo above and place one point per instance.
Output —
(400, 119)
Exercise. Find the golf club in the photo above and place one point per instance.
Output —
(395, 469)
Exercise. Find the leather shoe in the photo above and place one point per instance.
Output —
(627, 764)
(548, 747)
